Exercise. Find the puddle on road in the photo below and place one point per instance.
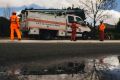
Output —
(102, 68)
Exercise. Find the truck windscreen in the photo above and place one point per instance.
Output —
(78, 19)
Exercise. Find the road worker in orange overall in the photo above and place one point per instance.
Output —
(101, 31)
(14, 26)
(74, 28)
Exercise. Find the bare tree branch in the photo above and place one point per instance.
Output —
(100, 14)
(89, 15)
(103, 16)
(92, 7)
(87, 6)
(96, 7)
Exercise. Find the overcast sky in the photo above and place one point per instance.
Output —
(43, 3)
(52, 4)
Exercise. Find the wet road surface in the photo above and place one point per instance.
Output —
(54, 50)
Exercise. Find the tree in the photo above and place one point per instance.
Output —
(94, 9)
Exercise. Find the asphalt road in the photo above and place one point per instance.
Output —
(33, 50)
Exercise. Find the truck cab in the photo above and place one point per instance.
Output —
(82, 31)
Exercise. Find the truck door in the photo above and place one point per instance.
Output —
(70, 19)
(83, 30)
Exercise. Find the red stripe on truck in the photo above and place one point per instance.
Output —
(46, 21)
(45, 28)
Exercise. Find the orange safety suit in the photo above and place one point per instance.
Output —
(101, 31)
(74, 28)
(14, 26)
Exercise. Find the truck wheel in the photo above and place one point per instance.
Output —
(109, 36)
(46, 35)
(85, 35)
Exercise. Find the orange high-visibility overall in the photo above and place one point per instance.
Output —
(14, 26)
(101, 31)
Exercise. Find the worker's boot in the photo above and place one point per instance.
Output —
(19, 39)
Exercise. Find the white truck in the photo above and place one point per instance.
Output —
(48, 24)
